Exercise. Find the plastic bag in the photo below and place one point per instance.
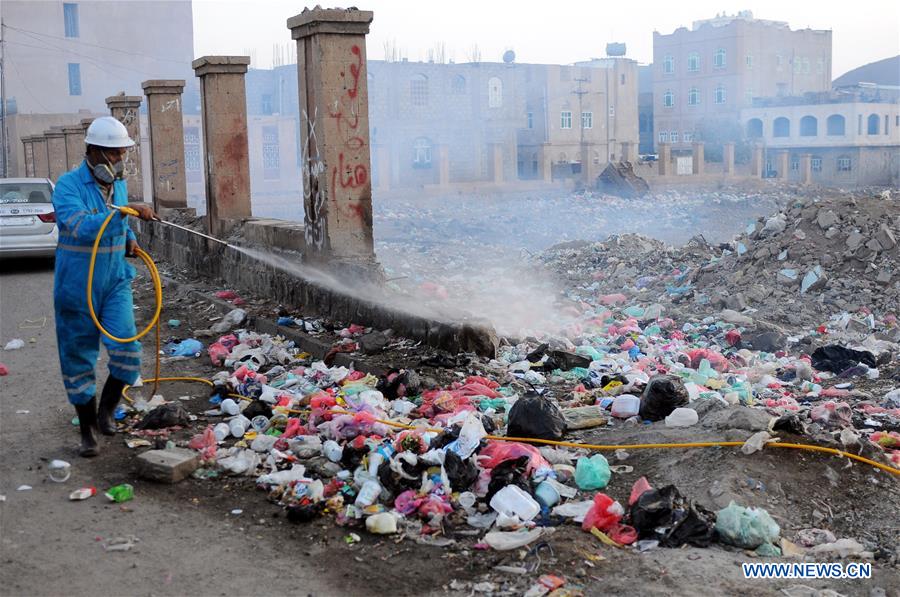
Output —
(666, 516)
(186, 348)
(533, 416)
(663, 394)
(592, 473)
(496, 452)
(461, 473)
(746, 527)
(470, 436)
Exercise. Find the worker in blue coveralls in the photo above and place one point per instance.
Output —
(81, 199)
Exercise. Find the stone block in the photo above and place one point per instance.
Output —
(854, 239)
(885, 238)
(168, 466)
(874, 246)
(826, 219)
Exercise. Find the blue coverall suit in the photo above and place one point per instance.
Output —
(80, 211)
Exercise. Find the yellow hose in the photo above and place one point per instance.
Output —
(157, 285)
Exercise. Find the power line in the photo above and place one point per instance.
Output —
(78, 41)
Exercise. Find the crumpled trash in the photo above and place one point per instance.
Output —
(663, 394)
(832, 414)
(184, 348)
(295, 473)
(3, 370)
(14, 344)
(507, 540)
(592, 472)
(534, 416)
(836, 358)
(167, 415)
(232, 319)
(605, 515)
(667, 516)
(757, 442)
(746, 527)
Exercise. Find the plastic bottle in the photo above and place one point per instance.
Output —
(59, 470)
(682, 417)
(83, 493)
(467, 500)
(260, 423)
(625, 406)
(120, 493)
(368, 494)
(332, 450)
(221, 431)
(514, 501)
(230, 407)
(238, 425)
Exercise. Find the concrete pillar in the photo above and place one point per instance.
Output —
(665, 159)
(698, 157)
(41, 159)
(384, 167)
(56, 153)
(546, 162)
(227, 161)
(629, 152)
(28, 150)
(85, 123)
(782, 164)
(497, 159)
(165, 124)
(74, 145)
(443, 166)
(757, 163)
(334, 114)
(728, 159)
(126, 109)
(806, 168)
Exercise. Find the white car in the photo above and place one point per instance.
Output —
(27, 219)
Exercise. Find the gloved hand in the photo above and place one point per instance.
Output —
(145, 212)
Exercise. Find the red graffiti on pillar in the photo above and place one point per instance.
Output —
(351, 176)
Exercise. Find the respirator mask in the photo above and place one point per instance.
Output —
(108, 173)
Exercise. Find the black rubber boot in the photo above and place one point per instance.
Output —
(112, 391)
(87, 421)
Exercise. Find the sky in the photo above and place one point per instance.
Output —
(558, 32)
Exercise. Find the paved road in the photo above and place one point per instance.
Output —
(51, 546)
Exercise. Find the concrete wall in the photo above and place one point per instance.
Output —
(204, 259)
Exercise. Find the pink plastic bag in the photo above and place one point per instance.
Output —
(496, 452)
(205, 443)
(638, 489)
(217, 354)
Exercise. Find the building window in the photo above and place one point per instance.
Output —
(693, 96)
(587, 120)
(495, 92)
(271, 153)
(669, 64)
(267, 103)
(897, 120)
(673, 136)
(74, 78)
(70, 18)
(688, 137)
(693, 62)
(843, 164)
(418, 90)
(458, 87)
(621, 79)
(531, 120)
(565, 119)
(872, 128)
(835, 125)
(886, 122)
(720, 94)
(754, 128)
(795, 163)
(781, 127)
(809, 126)
(192, 153)
(534, 164)
(820, 66)
(859, 124)
(663, 137)
(422, 153)
(719, 58)
(612, 110)
(779, 62)
(668, 98)
(749, 61)
(816, 164)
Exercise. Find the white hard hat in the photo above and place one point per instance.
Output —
(106, 131)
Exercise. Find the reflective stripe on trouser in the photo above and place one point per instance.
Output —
(77, 337)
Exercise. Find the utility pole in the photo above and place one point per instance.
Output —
(582, 147)
(4, 129)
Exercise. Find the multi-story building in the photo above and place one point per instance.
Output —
(704, 76)
(853, 137)
(64, 58)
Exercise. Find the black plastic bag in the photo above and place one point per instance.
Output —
(535, 417)
(166, 415)
(396, 483)
(509, 472)
(461, 473)
(837, 358)
(257, 408)
(668, 517)
(663, 394)
(400, 383)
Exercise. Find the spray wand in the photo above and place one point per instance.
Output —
(131, 212)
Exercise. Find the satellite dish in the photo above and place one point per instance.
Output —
(509, 57)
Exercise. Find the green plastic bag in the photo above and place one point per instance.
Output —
(746, 527)
(592, 473)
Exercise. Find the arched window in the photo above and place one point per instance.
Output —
(693, 62)
(495, 92)
(534, 164)
(422, 153)
(873, 124)
(418, 90)
(719, 58)
(781, 127)
(720, 94)
(668, 98)
(693, 96)
(669, 64)
(835, 125)
(809, 126)
(754, 128)
(459, 85)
